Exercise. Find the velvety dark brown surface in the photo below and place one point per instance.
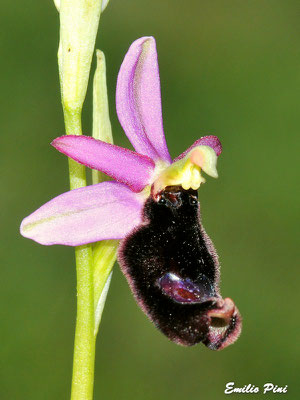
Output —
(173, 245)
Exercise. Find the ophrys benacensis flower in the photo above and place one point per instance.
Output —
(152, 207)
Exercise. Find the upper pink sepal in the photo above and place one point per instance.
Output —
(108, 210)
(138, 100)
(122, 164)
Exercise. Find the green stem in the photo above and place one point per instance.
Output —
(84, 345)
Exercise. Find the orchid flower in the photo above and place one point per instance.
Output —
(152, 207)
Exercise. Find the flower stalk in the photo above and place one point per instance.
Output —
(79, 20)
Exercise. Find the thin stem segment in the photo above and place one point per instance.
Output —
(84, 346)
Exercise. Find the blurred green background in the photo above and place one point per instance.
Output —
(228, 67)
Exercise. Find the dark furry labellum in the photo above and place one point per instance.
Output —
(173, 271)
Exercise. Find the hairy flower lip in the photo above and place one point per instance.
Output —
(187, 319)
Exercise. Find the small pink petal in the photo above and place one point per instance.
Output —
(109, 210)
(138, 100)
(124, 165)
(211, 141)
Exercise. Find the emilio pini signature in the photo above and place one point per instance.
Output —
(267, 388)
